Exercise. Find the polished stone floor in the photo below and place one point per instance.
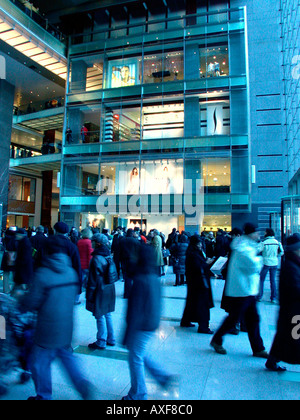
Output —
(202, 374)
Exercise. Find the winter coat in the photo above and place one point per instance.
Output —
(24, 262)
(243, 269)
(85, 252)
(52, 295)
(199, 291)
(286, 346)
(179, 253)
(100, 297)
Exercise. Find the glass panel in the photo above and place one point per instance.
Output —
(81, 179)
(15, 187)
(86, 74)
(83, 125)
(216, 174)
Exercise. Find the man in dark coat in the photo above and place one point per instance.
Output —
(199, 296)
(100, 296)
(286, 345)
(129, 247)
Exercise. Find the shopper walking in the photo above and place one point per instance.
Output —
(52, 295)
(143, 318)
(271, 250)
(199, 299)
(85, 254)
(242, 286)
(286, 345)
(100, 295)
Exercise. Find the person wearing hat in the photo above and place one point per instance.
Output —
(242, 288)
(286, 345)
(100, 296)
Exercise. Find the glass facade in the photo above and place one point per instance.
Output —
(161, 114)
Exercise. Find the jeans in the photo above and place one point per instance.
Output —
(138, 361)
(105, 332)
(263, 274)
(242, 307)
(40, 364)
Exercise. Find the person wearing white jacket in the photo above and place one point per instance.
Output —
(242, 288)
(271, 250)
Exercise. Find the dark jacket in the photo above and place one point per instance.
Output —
(38, 243)
(144, 303)
(286, 346)
(100, 297)
(11, 245)
(52, 295)
(24, 262)
(178, 251)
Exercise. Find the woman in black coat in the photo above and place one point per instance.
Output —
(199, 295)
(100, 296)
(286, 346)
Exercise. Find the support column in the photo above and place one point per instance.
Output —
(47, 198)
(7, 92)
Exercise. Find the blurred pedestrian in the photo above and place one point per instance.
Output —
(242, 287)
(52, 295)
(100, 295)
(199, 299)
(143, 318)
(286, 345)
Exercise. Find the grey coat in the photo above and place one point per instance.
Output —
(52, 295)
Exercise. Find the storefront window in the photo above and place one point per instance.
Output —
(165, 67)
(151, 177)
(214, 61)
(216, 175)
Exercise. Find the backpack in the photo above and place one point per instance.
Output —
(111, 276)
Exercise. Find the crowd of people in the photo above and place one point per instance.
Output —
(47, 273)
